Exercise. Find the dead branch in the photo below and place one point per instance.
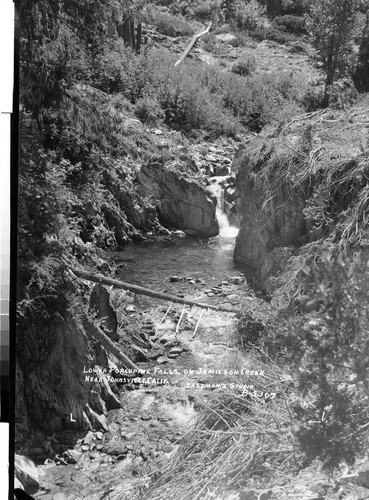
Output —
(98, 278)
(191, 44)
(94, 331)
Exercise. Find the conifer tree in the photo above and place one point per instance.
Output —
(331, 24)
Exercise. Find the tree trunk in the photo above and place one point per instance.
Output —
(138, 38)
(191, 44)
(328, 87)
(127, 37)
(98, 278)
(133, 35)
(361, 76)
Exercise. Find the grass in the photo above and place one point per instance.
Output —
(237, 441)
(327, 164)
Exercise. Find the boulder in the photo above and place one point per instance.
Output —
(111, 400)
(97, 421)
(221, 170)
(100, 302)
(226, 37)
(97, 403)
(181, 202)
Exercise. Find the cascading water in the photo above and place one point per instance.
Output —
(225, 229)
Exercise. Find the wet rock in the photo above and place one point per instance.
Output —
(168, 339)
(88, 438)
(26, 472)
(161, 360)
(174, 279)
(73, 455)
(140, 354)
(220, 170)
(214, 149)
(176, 350)
(181, 202)
(236, 280)
(115, 449)
(100, 302)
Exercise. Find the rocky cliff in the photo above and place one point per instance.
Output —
(297, 184)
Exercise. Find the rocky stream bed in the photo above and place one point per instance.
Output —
(184, 349)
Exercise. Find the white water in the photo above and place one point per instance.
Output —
(225, 229)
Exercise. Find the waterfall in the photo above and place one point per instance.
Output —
(225, 229)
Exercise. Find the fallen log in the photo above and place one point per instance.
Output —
(98, 278)
(191, 44)
(94, 331)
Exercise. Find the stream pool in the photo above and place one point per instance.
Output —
(151, 264)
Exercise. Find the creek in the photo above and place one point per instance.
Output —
(210, 260)
(191, 347)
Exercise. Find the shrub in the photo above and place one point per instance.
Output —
(313, 98)
(292, 24)
(272, 33)
(247, 16)
(170, 25)
(205, 10)
(210, 42)
(332, 355)
(245, 66)
(148, 110)
(283, 7)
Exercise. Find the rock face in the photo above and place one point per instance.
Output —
(51, 379)
(181, 202)
(266, 229)
(100, 303)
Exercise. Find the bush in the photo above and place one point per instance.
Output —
(292, 24)
(272, 33)
(283, 7)
(170, 25)
(313, 98)
(247, 16)
(210, 42)
(331, 352)
(204, 10)
(148, 110)
(245, 66)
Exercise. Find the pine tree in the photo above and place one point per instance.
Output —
(331, 24)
